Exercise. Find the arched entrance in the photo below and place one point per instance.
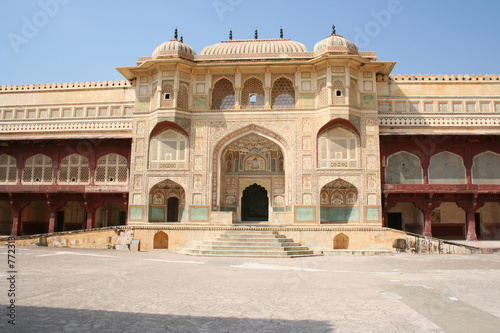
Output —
(173, 209)
(255, 204)
(166, 202)
(252, 159)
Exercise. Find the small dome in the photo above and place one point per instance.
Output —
(337, 44)
(255, 48)
(172, 48)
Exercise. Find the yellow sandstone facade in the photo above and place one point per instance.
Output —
(253, 132)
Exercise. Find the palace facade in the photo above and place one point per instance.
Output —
(254, 132)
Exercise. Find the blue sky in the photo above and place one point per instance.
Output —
(51, 41)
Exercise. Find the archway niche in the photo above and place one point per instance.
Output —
(71, 216)
(160, 240)
(341, 242)
(35, 218)
(449, 221)
(252, 160)
(166, 202)
(339, 202)
(407, 217)
(110, 214)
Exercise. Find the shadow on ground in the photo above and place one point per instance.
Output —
(45, 319)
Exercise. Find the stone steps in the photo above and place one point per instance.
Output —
(246, 243)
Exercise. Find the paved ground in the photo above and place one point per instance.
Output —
(70, 290)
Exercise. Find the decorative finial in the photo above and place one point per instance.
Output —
(333, 30)
(182, 39)
(281, 32)
(256, 34)
(175, 33)
(230, 34)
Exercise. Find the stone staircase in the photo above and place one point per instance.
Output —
(246, 243)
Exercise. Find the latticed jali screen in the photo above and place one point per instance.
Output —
(183, 97)
(252, 94)
(38, 170)
(8, 169)
(111, 168)
(74, 170)
(223, 96)
(322, 94)
(167, 96)
(283, 94)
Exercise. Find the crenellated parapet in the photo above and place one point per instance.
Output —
(71, 85)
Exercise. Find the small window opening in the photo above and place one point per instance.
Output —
(111, 179)
(73, 180)
(167, 96)
(37, 179)
(338, 93)
(253, 98)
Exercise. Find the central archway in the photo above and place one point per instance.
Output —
(255, 204)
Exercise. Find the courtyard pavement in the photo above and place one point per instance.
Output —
(80, 290)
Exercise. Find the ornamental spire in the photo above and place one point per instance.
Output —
(230, 34)
(182, 39)
(333, 30)
(281, 32)
(175, 33)
(256, 34)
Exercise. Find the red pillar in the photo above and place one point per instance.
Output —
(427, 222)
(17, 221)
(52, 218)
(471, 225)
(471, 218)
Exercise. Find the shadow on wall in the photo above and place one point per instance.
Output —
(57, 319)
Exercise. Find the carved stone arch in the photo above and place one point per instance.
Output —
(168, 211)
(343, 206)
(338, 145)
(157, 151)
(234, 136)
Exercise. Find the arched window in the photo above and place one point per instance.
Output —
(167, 96)
(338, 148)
(446, 168)
(322, 94)
(74, 170)
(486, 168)
(403, 168)
(168, 150)
(183, 96)
(223, 97)
(37, 170)
(111, 169)
(252, 94)
(283, 94)
(338, 92)
(8, 169)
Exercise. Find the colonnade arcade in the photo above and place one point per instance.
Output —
(446, 186)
